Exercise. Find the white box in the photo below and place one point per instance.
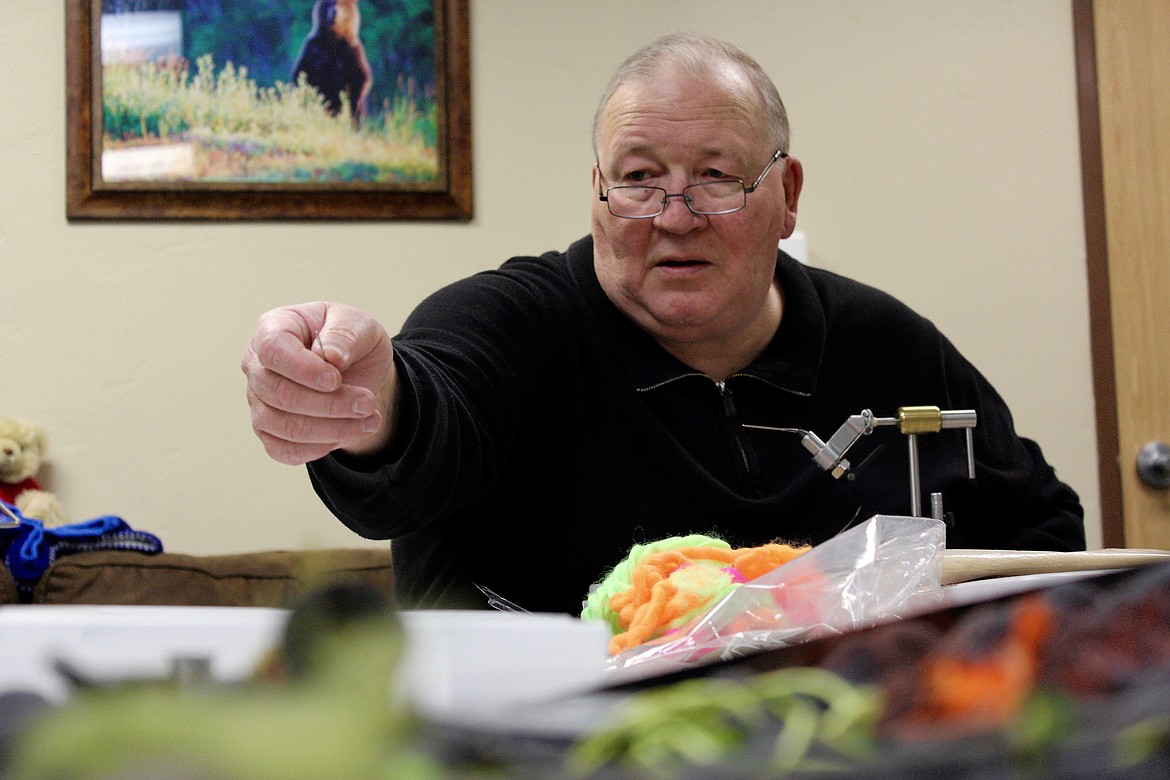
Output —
(465, 663)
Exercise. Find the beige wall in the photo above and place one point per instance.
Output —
(939, 141)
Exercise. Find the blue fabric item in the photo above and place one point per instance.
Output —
(30, 548)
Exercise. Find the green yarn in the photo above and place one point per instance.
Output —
(619, 578)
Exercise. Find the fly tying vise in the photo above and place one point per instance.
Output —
(912, 421)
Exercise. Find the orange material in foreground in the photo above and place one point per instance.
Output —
(672, 586)
(989, 688)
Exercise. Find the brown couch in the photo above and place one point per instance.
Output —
(259, 579)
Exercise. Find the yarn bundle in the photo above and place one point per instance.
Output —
(661, 587)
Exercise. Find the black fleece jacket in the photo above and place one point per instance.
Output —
(543, 434)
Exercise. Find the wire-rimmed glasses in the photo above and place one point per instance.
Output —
(708, 198)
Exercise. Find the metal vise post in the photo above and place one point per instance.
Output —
(915, 420)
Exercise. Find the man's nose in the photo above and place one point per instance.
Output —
(678, 218)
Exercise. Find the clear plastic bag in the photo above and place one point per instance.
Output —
(885, 568)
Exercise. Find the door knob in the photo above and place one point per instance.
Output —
(1153, 464)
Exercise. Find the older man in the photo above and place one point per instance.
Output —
(529, 424)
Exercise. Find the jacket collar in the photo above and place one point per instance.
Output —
(792, 360)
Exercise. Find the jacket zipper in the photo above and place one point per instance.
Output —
(729, 411)
(728, 400)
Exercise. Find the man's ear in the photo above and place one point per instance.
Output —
(793, 183)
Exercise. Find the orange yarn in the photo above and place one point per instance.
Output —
(671, 587)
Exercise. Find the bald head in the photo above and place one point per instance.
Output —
(706, 58)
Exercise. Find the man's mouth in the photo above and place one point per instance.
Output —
(680, 263)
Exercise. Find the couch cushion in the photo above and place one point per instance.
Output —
(8, 592)
(260, 579)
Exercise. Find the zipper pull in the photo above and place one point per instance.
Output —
(728, 401)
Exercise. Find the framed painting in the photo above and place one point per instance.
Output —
(254, 110)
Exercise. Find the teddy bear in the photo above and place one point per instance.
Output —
(21, 449)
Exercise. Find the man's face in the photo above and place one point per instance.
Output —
(684, 278)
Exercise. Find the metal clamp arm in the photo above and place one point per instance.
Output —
(830, 455)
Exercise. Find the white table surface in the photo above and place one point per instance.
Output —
(453, 661)
(107, 643)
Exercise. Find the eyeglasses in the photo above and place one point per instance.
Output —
(705, 198)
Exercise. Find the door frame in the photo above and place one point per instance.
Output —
(1097, 251)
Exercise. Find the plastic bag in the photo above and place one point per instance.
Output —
(885, 568)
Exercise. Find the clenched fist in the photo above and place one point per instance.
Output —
(320, 378)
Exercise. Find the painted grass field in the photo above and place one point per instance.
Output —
(235, 131)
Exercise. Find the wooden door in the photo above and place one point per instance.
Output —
(1123, 71)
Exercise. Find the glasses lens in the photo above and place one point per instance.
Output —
(635, 201)
(716, 197)
(712, 197)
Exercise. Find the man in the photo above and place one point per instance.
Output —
(529, 424)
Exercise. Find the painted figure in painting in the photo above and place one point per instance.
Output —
(333, 58)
